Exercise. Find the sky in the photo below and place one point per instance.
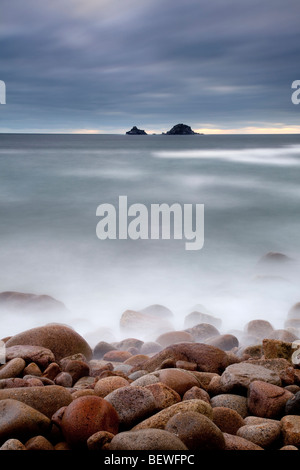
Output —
(103, 66)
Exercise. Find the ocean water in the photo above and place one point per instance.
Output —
(51, 186)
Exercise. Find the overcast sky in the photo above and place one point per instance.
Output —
(106, 65)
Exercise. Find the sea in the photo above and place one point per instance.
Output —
(51, 186)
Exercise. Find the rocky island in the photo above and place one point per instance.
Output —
(181, 129)
(136, 131)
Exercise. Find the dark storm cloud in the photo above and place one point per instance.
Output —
(75, 64)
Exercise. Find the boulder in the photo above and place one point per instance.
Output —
(160, 419)
(12, 368)
(60, 339)
(237, 377)
(259, 328)
(208, 358)
(105, 386)
(202, 332)
(20, 421)
(181, 129)
(234, 402)
(267, 400)
(239, 443)
(196, 431)
(84, 417)
(164, 396)
(227, 419)
(46, 400)
(264, 435)
(290, 428)
(132, 404)
(39, 355)
(146, 439)
(224, 342)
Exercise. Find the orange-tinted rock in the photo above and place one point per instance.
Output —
(107, 385)
(39, 443)
(227, 420)
(164, 396)
(290, 426)
(178, 380)
(173, 337)
(84, 417)
(12, 368)
(267, 400)
(52, 370)
(274, 348)
(60, 339)
(117, 356)
(82, 393)
(196, 393)
(100, 440)
(32, 369)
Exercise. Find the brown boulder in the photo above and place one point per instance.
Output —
(132, 404)
(239, 443)
(208, 358)
(146, 439)
(196, 393)
(117, 356)
(12, 368)
(164, 396)
(267, 400)
(160, 419)
(20, 421)
(264, 435)
(196, 431)
(46, 400)
(105, 386)
(202, 332)
(234, 402)
(237, 377)
(84, 417)
(37, 354)
(227, 420)
(60, 339)
(224, 342)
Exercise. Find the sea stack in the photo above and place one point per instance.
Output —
(181, 129)
(136, 131)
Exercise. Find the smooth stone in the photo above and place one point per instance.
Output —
(60, 339)
(208, 358)
(13, 368)
(172, 337)
(38, 443)
(39, 355)
(100, 440)
(84, 417)
(239, 443)
(224, 342)
(267, 400)
(117, 356)
(290, 428)
(196, 393)
(20, 421)
(52, 371)
(132, 404)
(239, 376)
(46, 400)
(227, 420)
(64, 379)
(13, 444)
(128, 343)
(102, 348)
(263, 435)
(146, 439)
(259, 328)
(234, 402)
(196, 431)
(202, 332)
(105, 386)
(160, 419)
(32, 369)
(164, 396)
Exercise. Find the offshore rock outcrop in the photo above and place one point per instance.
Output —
(136, 131)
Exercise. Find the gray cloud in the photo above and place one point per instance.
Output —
(109, 64)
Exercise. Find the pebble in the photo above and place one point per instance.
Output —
(117, 356)
(164, 396)
(46, 400)
(239, 443)
(237, 377)
(132, 404)
(100, 440)
(84, 417)
(13, 368)
(227, 420)
(146, 439)
(290, 427)
(267, 400)
(263, 435)
(196, 431)
(12, 444)
(104, 387)
(20, 421)
(196, 393)
(160, 419)
(234, 402)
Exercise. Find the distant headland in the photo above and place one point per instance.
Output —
(178, 129)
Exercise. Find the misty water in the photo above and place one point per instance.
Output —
(51, 186)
